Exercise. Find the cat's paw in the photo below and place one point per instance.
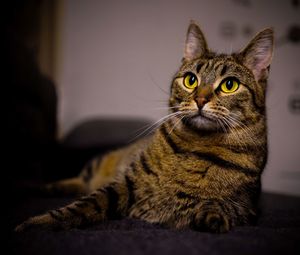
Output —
(38, 222)
(212, 222)
(216, 223)
(23, 226)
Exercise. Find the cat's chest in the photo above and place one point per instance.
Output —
(183, 165)
(176, 172)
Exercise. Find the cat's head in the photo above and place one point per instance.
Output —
(217, 91)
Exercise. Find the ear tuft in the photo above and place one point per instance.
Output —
(195, 45)
(257, 55)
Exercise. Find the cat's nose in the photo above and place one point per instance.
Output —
(203, 95)
(201, 101)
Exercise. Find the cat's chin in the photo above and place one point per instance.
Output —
(201, 122)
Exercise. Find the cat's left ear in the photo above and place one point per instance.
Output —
(195, 44)
(257, 55)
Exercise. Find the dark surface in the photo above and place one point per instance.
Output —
(277, 232)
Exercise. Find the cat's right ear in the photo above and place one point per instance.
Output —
(195, 44)
(257, 55)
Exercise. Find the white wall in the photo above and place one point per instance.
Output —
(118, 56)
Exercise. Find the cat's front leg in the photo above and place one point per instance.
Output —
(79, 213)
(104, 203)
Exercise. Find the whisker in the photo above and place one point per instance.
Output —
(232, 122)
(148, 130)
(222, 126)
(177, 123)
(228, 124)
(237, 137)
(247, 133)
(156, 84)
(240, 124)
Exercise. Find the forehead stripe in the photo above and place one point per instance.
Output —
(208, 64)
(217, 65)
(199, 67)
(223, 71)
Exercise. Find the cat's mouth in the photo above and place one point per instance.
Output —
(202, 120)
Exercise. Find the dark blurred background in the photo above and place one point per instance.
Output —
(74, 69)
(30, 96)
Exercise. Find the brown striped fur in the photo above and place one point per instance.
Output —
(202, 166)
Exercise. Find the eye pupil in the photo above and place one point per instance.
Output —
(229, 84)
(192, 79)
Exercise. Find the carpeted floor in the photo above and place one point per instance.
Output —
(277, 232)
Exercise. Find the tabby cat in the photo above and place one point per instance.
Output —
(201, 168)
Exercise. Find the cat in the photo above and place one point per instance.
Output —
(201, 168)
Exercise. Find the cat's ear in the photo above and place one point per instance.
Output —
(195, 44)
(258, 54)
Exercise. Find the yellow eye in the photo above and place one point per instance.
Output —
(230, 85)
(190, 81)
